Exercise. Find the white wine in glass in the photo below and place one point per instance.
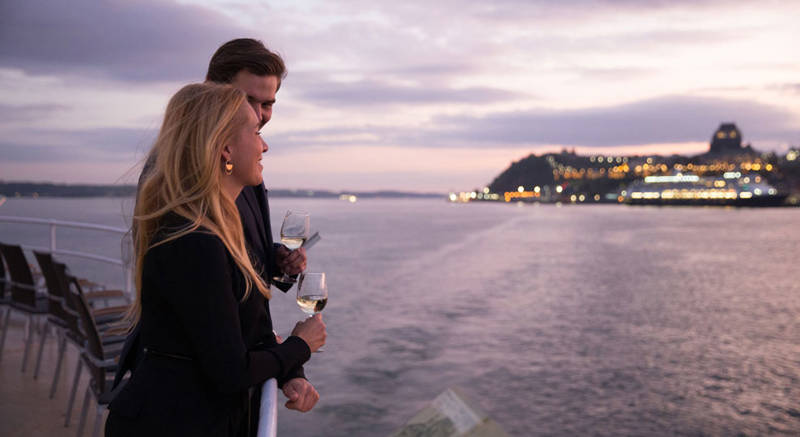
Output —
(294, 231)
(292, 243)
(312, 292)
(311, 304)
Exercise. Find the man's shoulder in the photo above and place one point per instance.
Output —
(259, 189)
(253, 197)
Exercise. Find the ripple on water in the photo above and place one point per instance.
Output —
(390, 354)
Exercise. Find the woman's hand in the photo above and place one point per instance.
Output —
(312, 331)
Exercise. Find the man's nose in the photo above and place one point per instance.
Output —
(264, 145)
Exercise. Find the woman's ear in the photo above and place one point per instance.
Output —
(226, 153)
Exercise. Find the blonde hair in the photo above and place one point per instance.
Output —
(186, 179)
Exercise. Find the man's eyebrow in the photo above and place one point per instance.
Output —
(253, 99)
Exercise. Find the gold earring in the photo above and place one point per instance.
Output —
(228, 168)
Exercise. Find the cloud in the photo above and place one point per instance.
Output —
(95, 145)
(611, 74)
(516, 10)
(789, 88)
(372, 92)
(137, 41)
(670, 119)
(12, 113)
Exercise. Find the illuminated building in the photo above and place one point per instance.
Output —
(726, 140)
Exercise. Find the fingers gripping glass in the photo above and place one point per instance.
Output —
(294, 231)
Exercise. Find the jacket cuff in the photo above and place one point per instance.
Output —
(293, 353)
(297, 372)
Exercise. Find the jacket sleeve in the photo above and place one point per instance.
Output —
(297, 372)
(197, 273)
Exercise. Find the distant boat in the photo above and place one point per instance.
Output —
(732, 189)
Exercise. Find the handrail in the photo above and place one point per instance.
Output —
(54, 224)
(268, 412)
(64, 223)
(84, 255)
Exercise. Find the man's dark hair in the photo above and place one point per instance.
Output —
(244, 54)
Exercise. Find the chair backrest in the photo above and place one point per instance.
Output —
(70, 307)
(94, 345)
(55, 292)
(3, 279)
(23, 288)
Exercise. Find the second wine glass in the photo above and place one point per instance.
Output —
(294, 232)
(312, 294)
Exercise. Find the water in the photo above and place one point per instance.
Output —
(574, 320)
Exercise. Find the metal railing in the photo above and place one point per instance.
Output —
(53, 225)
(268, 417)
(268, 413)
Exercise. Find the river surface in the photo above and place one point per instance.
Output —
(573, 320)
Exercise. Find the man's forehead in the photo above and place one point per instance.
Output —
(262, 88)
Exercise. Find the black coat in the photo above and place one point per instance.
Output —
(254, 317)
(199, 359)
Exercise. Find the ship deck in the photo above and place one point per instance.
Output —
(25, 407)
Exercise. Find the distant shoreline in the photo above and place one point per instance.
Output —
(41, 189)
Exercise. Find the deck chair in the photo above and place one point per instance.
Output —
(98, 358)
(5, 302)
(56, 313)
(62, 316)
(25, 295)
(106, 321)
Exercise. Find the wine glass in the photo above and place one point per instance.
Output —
(294, 232)
(312, 292)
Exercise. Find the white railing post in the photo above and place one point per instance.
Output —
(128, 270)
(268, 413)
(52, 237)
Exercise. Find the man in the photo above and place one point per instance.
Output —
(248, 65)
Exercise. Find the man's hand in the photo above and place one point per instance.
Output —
(312, 331)
(291, 262)
(302, 395)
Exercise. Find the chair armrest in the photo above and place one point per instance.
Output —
(88, 284)
(112, 339)
(120, 309)
(104, 294)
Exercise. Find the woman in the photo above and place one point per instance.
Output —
(194, 277)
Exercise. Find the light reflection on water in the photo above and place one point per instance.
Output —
(602, 320)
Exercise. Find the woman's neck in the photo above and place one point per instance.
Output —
(231, 187)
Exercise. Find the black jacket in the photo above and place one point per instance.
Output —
(203, 347)
(254, 211)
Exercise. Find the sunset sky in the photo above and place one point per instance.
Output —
(411, 95)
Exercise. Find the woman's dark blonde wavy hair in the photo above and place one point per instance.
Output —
(186, 179)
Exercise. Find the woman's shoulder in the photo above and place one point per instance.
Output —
(196, 241)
